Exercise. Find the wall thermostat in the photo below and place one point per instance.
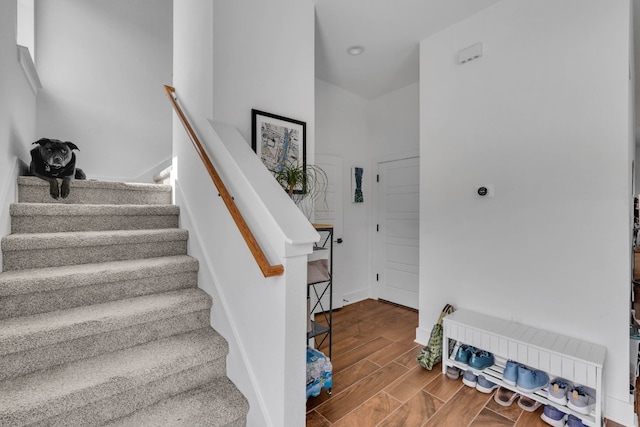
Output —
(482, 191)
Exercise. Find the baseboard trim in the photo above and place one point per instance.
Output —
(357, 296)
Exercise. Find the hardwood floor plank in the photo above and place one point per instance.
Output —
(410, 383)
(344, 379)
(488, 418)
(443, 388)
(361, 352)
(314, 419)
(391, 352)
(531, 419)
(408, 359)
(341, 345)
(367, 334)
(415, 412)
(360, 392)
(512, 412)
(461, 409)
(371, 412)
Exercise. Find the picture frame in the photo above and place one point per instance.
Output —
(357, 175)
(279, 141)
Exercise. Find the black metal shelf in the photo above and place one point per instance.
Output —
(321, 289)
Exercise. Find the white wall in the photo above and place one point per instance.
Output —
(543, 116)
(17, 114)
(341, 130)
(263, 319)
(393, 122)
(264, 60)
(102, 64)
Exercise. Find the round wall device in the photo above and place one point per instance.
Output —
(482, 191)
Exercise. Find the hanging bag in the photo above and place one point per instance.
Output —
(431, 354)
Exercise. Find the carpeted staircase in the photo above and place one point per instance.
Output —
(101, 319)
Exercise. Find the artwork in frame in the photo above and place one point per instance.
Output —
(279, 142)
(357, 174)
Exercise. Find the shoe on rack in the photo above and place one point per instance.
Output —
(553, 416)
(505, 397)
(557, 392)
(530, 380)
(464, 353)
(528, 404)
(580, 400)
(573, 421)
(469, 379)
(484, 385)
(453, 373)
(510, 374)
(480, 360)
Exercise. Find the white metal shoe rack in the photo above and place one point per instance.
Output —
(578, 361)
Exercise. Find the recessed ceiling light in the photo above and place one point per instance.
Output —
(355, 50)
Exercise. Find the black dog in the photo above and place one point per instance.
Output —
(55, 159)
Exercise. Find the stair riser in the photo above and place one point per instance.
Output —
(57, 224)
(84, 410)
(39, 258)
(43, 302)
(25, 362)
(35, 190)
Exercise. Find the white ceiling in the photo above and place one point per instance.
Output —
(390, 31)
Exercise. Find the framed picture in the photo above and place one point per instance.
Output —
(357, 174)
(280, 142)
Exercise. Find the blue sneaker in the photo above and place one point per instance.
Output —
(469, 379)
(484, 385)
(553, 416)
(480, 360)
(573, 421)
(510, 374)
(464, 353)
(530, 380)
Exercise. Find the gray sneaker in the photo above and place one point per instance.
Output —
(469, 379)
(557, 391)
(453, 373)
(580, 400)
(484, 385)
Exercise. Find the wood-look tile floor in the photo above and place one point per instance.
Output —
(377, 381)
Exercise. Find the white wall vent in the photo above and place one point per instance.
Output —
(470, 53)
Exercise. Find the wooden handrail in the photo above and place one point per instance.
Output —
(267, 269)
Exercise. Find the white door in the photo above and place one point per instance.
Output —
(329, 211)
(398, 231)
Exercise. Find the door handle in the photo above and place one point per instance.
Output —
(339, 240)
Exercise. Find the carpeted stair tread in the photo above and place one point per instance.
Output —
(22, 333)
(48, 209)
(27, 241)
(40, 250)
(219, 404)
(53, 218)
(66, 388)
(101, 317)
(41, 290)
(36, 190)
(18, 282)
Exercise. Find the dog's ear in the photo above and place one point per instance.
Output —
(42, 141)
(71, 145)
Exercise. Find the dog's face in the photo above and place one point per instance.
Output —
(56, 153)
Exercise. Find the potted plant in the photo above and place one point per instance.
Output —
(304, 184)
